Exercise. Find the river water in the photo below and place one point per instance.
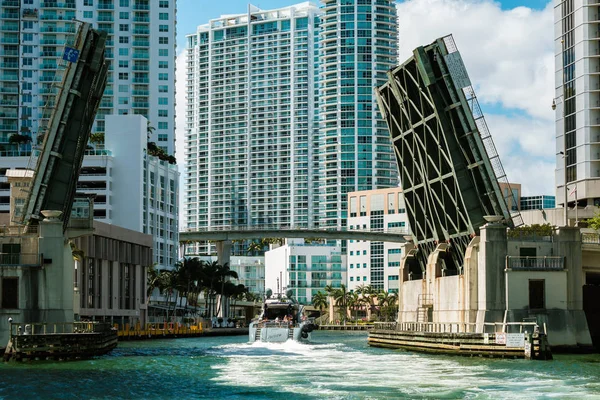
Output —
(333, 366)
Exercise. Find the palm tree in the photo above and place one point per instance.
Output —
(319, 300)
(341, 300)
(368, 295)
(354, 303)
(223, 274)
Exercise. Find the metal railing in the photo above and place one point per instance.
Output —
(459, 327)
(535, 263)
(42, 328)
(17, 230)
(20, 259)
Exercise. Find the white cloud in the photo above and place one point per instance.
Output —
(510, 59)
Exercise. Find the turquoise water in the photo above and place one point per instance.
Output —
(333, 366)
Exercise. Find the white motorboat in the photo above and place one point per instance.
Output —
(281, 320)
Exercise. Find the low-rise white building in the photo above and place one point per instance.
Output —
(132, 189)
(375, 263)
(306, 269)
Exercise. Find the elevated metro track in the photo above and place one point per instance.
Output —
(395, 236)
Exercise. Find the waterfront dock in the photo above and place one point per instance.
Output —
(173, 330)
(347, 327)
(61, 341)
(462, 339)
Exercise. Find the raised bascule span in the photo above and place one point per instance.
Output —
(448, 165)
(58, 163)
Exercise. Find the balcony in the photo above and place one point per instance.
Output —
(30, 13)
(535, 263)
(11, 3)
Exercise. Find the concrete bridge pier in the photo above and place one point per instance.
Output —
(223, 257)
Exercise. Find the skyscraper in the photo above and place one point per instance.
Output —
(33, 35)
(577, 101)
(358, 43)
(281, 117)
(250, 110)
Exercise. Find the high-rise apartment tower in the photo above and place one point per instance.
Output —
(281, 117)
(577, 101)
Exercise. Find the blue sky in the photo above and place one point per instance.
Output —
(191, 13)
(507, 47)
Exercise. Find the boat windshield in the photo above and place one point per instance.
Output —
(280, 312)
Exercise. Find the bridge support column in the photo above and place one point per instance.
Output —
(223, 257)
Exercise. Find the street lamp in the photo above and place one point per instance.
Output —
(566, 206)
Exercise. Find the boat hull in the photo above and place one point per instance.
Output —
(277, 333)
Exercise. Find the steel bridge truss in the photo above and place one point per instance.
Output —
(448, 165)
(58, 163)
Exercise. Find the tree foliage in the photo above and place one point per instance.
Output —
(594, 222)
(531, 230)
(193, 276)
(156, 151)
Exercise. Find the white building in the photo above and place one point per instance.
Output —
(281, 117)
(32, 39)
(576, 44)
(376, 263)
(250, 109)
(133, 190)
(304, 268)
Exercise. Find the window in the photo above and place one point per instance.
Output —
(163, 89)
(123, 52)
(123, 100)
(163, 125)
(123, 64)
(123, 88)
(364, 252)
(163, 113)
(537, 294)
(88, 3)
(351, 252)
(163, 52)
(163, 16)
(163, 3)
(351, 279)
(351, 265)
(163, 101)
(163, 77)
(27, 37)
(124, 3)
(123, 39)
(88, 14)
(123, 27)
(364, 265)
(163, 64)
(27, 49)
(163, 40)
(27, 61)
(27, 73)
(123, 75)
(124, 15)
(163, 28)
(27, 24)
(10, 293)
(364, 278)
(162, 137)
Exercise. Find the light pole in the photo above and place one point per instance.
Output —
(566, 206)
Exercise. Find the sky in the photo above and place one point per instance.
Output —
(507, 47)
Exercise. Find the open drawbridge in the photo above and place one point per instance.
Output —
(448, 165)
(58, 163)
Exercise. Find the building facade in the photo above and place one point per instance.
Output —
(358, 44)
(376, 263)
(132, 189)
(537, 202)
(32, 40)
(281, 118)
(305, 269)
(577, 101)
